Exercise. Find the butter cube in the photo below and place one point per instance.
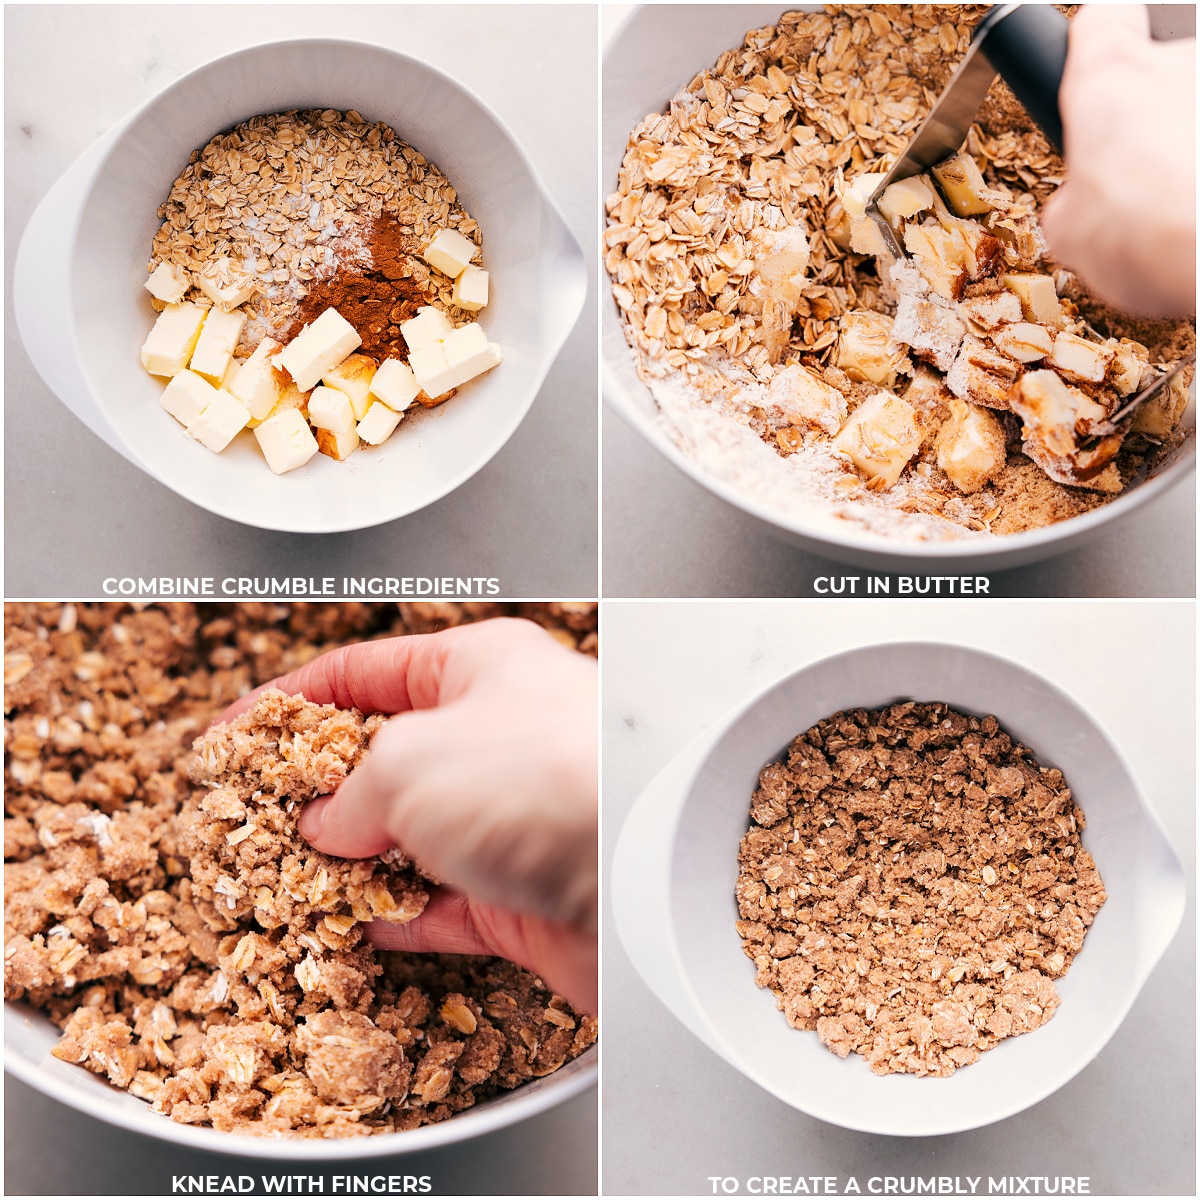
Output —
(1039, 300)
(804, 398)
(319, 348)
(1079, 359)
(220, 422)
(338, 444)
(431, 370)
(971, 446)
(1023, 341)
(168, 283)
(962, 185)
(286, 440)
(879, 438)
(395, 384)
(429, 325)
(461, 355)
(982, 375)
(379, 423)
(257, 384)
(330, 410)
(218, 340)
(187, 396)
(905, 199)
(353, 376)
(174, 336)
(224, 285)
(471, 289)
(449, 252)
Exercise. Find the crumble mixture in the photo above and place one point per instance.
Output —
(728, 246)
(292, 201)
(162, 910)
(911, 885)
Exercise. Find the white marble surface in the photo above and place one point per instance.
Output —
(76, 511)
(674, 1113)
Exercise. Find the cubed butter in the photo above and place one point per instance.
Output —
(962, 185)
(879, 438)
(224, 285)
(379, 424)
(1039, 300)
(395, 384)
(338, 444)
(906, 198)
(187, 396)
(429, 325)
(286, 441)
(174, 336)
(471, 289)
(257, 384)
(168, 283)
(461, 355)
(218, 340)
(319, 348)
(331, 410)
(221, 421)
(449, 252)
(353, 376)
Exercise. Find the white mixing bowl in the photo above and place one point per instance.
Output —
(676, 866)
(83, 313)
(654, 53)
(29, 1037)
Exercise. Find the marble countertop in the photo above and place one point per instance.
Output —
(76, 511)
(674, 1113)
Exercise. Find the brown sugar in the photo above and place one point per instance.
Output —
(162, 910)
(912, 884)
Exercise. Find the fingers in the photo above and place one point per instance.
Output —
(451, 924)
(396, 674)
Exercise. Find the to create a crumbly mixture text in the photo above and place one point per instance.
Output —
(912, 884)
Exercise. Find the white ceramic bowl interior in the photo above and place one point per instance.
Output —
(537, 274)
(654, 53)
(677, 862)
(29, 1036)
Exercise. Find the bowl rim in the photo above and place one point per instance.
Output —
(276, 518)
(717, 1041)
(1027, 545)
(505, 1108)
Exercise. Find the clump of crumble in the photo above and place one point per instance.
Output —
(912, 884)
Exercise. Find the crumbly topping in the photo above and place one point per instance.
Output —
(161, 909)
(912, 883)
(763, 143)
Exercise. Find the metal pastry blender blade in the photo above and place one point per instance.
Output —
(1026, 44)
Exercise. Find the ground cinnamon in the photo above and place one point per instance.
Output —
(377, 298)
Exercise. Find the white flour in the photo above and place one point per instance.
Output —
(813, 485)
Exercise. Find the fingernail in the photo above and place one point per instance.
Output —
(312, 819)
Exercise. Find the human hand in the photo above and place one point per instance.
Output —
(1125, 220)
(486, 776)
